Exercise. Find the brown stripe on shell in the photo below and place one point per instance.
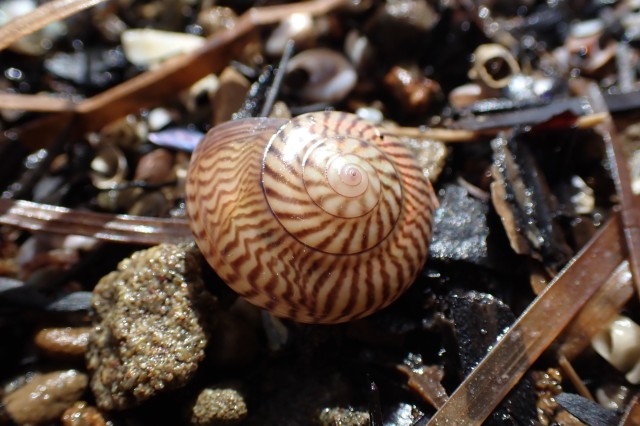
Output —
(234, 187)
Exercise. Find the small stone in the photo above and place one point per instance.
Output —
(343, 417)
(230, 95)
(82, 414)
(219, 407)
(155, 167)
(150, 326)
(45, 397)
(63, 343)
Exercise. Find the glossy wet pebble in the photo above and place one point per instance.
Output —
(82, 414)
(45, 397)
(63, 343)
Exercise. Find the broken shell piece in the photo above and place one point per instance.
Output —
(297, 27)
(146, 48)
(493, 65)
(582, 198)
(109, 167)
(320, 75)
(619, 343)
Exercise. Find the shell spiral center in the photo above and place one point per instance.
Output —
(330, 185)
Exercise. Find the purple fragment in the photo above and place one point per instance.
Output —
(177, 138)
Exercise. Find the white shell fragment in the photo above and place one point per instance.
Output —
(330, 75)
(147, 48)
(619, 343)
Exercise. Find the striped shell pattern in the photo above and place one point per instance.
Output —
(321, 219)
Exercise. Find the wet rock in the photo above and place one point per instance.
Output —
(218, 407)
(63, 343)
(45, 397)
(460, 230)
(479, 319)
(82, 414)
(343, 417)
(155, 167)
(150, 326)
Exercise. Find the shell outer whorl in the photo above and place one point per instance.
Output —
(320, 219)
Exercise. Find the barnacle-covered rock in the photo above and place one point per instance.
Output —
(217, 407)
(343, 417)
(150, 330)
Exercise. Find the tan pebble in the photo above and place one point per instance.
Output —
(219, 407)
(82, 414)
(155, 167)
(230, 96)
(63, 343)
(45, 397)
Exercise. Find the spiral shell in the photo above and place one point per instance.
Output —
(321, 219)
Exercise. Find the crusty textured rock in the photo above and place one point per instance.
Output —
(63, 343)
(82, 414)
(218, 407)
(343, 417)
(150, 330)
(45, 397)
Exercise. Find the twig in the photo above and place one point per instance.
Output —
(622, 182)
(108, 227)
(41, 17)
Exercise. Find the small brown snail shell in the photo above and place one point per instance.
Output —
(321, 219)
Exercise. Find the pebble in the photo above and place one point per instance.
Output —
(230, 95)
(150, 326)
(219, 407)
(82, 414)
(63, 343)
(45, 397)
(155, 167)
(343, 417)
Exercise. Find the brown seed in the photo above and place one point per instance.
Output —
(45, 397)
(82, 414)
(63, 343)
(155, 167)
(414, 92)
